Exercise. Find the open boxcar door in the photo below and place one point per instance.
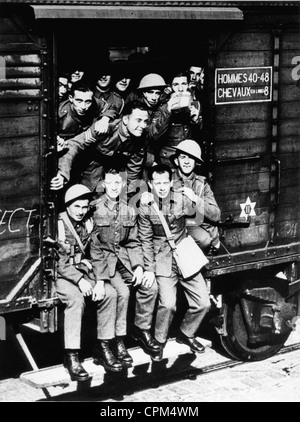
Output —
(25, 161)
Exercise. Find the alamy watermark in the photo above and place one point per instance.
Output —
(296, 69)
(2, 328)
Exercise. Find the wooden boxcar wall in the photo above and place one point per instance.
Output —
(256, 145)
(22, 106)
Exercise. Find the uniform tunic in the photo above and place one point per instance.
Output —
(117, 237)
(68, 290)
(158, 257)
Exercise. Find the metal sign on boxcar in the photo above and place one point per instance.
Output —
(243, 85)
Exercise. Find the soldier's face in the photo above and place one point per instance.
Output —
(196, 75)
(76, 75)
(113, 184)
(161, 184)
(81, 102)
(180, 84)
(185, 163)
(62, 87)
(78, 209)
(152, 97)
(104, 81)
(136, 122)
(123, 84)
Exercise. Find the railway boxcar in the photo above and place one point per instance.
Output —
(251, 57)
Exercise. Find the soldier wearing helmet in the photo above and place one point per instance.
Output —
(77, 284)
(196, 188)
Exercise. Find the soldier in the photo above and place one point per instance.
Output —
(184, 117)
(158, 258)
(125, 144)
(109, 101)
(196, 188)
(118, 239)
(77, 283)
(150, 91)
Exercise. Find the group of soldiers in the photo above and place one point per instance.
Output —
(122, 158)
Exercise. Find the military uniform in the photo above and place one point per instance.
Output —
(115, 146)
(69, 276)
(206, 234)
(71, 124)
(158, 257)
(117, 237)
(110, 103)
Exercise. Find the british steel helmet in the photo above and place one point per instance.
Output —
(190, 147)
(76, 192)
(152, 80)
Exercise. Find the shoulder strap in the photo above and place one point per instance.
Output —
(61, 231)
(169, 235)
(68, 223)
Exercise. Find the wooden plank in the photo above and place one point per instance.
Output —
(10, 169)
(19, 107)
(23, 126)
(287, 230)
(289, 93)
(21, 72)
(290, 161)
(240, 148)
(17, 60)
(289, 127)
(286, 57)
(15, 253)
(242, 113)
(227, 179)
(290, 110)
(20, 93)
(288, 144)
(289, 40)
(244, 59)
(240, 239)
(26, 186)
(19, 147)
(245, 41)
(242, 131)
(286, 75)
(20, 83)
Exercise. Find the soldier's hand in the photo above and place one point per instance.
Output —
(148, 279)
(101, 126)
(61, 143)
(147, 198)
(194, 113)
(137, 276)
(85, 287)
(57, 182)
(98, 291)
(189, 193)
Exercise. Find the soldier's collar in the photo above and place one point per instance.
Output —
(181, 176)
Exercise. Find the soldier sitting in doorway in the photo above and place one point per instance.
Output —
(76, 284)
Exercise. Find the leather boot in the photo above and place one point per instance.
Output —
(104, 356)
(121, 352)
(74, 367)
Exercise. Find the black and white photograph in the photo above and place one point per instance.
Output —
(149, 204)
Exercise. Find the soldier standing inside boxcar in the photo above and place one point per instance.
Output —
(76, 282)
(158, 258)
(184, 114)
(117, 237)
(196, 188)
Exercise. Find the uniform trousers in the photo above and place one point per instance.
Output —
(144, 301)
(197, 296)
(75, 303)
